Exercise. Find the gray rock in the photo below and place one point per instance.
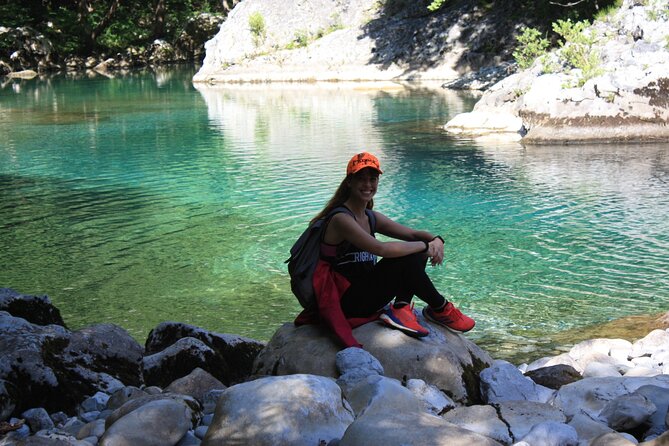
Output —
(417, 429)
(73, 426)
(7, 400)
(136, 403)
(93, 429)
(434, 400)
(38, 419)
(96, 402)
(602, 346)
(35, 309)
(612, 439)
(599, 370)
(587, 428)
(153, 390)
(105, 349)
(210, 400)
(189, 439)
(627, 411)
(504, 382)
(179, 360)
(480, 419)
(52, 437)
(121, 396)
(660, 398)
(554, 376)
(54, 368)
(235, 354)
(59, 418)
(356, 358)
(654, 341)
(196, 384)
(444, 359)
(590, 396)
(380, 394)
(521, 416)
(662, 440)
(551, 433)
(21, 430)
(87, 417)
(201, 432)
(156, 423)
(562, 359)
(295, 410)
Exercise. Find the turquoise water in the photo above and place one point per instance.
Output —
(142, 199)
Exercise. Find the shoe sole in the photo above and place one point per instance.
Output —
(406, 330)
(427, 316)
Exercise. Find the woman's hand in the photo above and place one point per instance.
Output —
(435, 252)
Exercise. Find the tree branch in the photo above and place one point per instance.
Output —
(567, 5)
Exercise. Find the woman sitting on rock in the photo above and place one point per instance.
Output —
(352, 287)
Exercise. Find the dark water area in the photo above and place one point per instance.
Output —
(141, 199)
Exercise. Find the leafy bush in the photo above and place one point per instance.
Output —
(578, 48)
(301, 39)
(435, 5)
(257, 27)
(531, 46)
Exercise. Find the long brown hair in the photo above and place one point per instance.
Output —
(340, 196)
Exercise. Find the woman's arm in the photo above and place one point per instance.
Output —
(386, 226)
(344, 227)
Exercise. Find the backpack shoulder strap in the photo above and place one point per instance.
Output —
(372, 220)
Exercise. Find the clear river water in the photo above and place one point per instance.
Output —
(143, 198)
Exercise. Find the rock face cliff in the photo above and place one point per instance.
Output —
(300, 40)
(627, 101)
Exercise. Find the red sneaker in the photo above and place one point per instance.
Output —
(404, 319)
(450, 317)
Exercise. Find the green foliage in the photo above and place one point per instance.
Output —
(609, 10)
(578, 48)
(106, 26)
(531, 46)
(435, 5)
(257, 27)
(301, 39)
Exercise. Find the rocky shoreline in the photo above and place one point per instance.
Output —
(188, 386)
(28, 53)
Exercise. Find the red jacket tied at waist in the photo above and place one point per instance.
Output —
(330, 286)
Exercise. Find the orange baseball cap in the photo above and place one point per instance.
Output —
(362, 160)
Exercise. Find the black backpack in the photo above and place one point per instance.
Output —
(305, 253)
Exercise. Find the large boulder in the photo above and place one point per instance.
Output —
(444, 359)
(156, 423)
(49, 366)
(233, 355)
(35, 309)
(590, 396)
(390, 415)
(292, 410)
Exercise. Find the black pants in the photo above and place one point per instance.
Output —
(399, 277)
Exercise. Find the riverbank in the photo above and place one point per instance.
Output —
(97, 386)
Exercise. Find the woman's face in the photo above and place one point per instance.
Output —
(364, 183)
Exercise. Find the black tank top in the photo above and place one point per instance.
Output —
(349, 260)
